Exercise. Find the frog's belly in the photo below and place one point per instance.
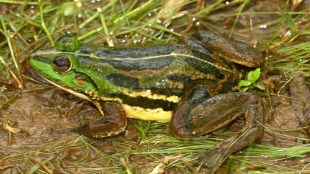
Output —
(157, 114)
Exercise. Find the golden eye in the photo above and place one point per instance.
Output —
(62, 64)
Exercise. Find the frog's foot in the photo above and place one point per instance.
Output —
(113, 122)
(219, 153)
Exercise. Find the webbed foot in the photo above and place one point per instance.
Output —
(114, 122)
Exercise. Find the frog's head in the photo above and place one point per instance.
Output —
(60, 67)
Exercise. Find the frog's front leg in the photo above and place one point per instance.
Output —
(196, 115)
(113, 122)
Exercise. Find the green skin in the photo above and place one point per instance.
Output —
(187, 82)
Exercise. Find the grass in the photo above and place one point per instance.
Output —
(28, 26)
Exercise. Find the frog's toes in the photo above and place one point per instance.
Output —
(102, 127)
(211, 160)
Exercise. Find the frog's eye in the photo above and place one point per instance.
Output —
(62, 64)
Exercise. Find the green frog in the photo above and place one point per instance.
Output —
(188, 85)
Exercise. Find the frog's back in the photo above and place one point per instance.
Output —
(158, 69)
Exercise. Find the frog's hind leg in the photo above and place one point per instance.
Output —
(216, 46)
(253, 130)
(112, 123)
(196, 116)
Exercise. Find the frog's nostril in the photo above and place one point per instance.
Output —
(37, 57)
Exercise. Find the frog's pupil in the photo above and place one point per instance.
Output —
(62, 63)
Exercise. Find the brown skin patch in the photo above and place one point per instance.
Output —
(80, 80)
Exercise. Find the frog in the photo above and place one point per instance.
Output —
(188, 85)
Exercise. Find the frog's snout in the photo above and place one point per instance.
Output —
(37, 60)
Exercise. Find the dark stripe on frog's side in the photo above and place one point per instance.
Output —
(124, 81)
(145, 102)
(170, 92)
(179, 78)
(175, 78)
(133, 84)
(204, 67)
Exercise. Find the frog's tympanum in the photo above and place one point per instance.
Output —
(187, 85)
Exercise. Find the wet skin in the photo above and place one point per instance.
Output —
(187, 85)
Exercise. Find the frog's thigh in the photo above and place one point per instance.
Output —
(196, 116)
(113, 122)
(181, 123)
